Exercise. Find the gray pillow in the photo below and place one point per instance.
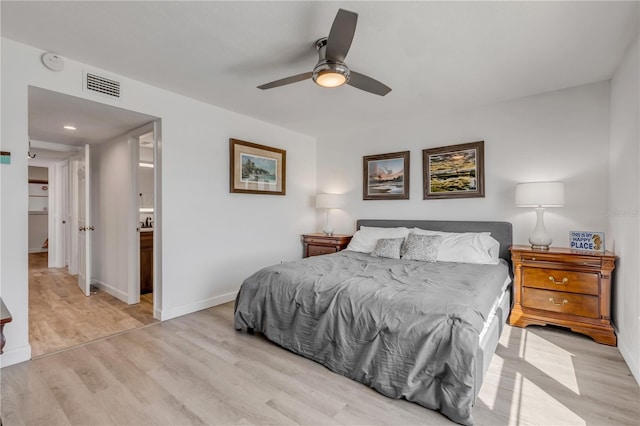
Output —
(421, 247)
(388, 247)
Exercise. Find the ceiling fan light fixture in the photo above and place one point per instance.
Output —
(330, 75)
(330, 79)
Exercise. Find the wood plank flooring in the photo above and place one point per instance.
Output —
(61, 316)
(197, 369)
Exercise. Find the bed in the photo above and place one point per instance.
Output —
(423, 331)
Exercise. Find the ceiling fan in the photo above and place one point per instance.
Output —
(331, 71)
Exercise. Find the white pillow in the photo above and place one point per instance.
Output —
(465, 247)
(366, 238)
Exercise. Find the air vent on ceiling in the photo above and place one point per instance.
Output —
(104, 86)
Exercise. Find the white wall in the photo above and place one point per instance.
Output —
(146, 183)
(624, 205)
(111, 208)
(38, 173)
(211, 239)
(556, 136)
(146, 154)
(38, 232)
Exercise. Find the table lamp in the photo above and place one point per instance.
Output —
(540, 195)
(328, 202)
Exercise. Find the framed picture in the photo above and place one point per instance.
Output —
(386, 176)
(257, 169)
(455, 171)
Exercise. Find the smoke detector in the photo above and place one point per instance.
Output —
(53, 61)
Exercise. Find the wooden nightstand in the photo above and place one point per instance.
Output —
(317, 244)
(564, 287)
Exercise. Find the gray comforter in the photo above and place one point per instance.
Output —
(408, 329)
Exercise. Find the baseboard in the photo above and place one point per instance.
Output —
(197, 306)
(632, 363)
(15, 356)
(38, 250)
(118, 294)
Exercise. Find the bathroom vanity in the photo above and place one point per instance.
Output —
(146, 260)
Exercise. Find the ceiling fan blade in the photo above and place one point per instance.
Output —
(368, 84)
(287, 80)
(341, 35)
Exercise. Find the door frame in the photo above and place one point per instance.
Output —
(157, 219)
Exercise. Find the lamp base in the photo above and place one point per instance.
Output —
(327, 229)
(538, 247)
(540, 238)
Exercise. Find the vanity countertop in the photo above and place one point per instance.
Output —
(146, 229)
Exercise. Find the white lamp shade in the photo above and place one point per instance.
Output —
(540, 194)
(328, 201)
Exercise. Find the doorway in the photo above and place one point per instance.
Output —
(61, 314)
(38, 209)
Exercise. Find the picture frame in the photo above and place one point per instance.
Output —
(256, 169)
(454, 171)
(386, 176)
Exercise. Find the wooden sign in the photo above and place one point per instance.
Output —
(586, 241)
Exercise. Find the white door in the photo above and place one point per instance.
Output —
(84, 223)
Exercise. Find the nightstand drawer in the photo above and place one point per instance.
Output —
(323, 241)
(319, 250)
(589, 261)
(559, 301)
(555, 279)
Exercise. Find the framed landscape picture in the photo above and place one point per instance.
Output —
(257, 169)
(386, 176)
(455, 171)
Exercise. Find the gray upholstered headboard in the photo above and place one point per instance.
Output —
(501, 231)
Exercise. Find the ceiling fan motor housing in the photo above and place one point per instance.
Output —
(327, 73)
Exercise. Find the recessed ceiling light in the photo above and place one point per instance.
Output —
(69, 127)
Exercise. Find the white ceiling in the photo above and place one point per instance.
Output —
(436, 56)
(50, 111)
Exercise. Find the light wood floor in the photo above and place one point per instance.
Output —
(61, 316)
(197, 369)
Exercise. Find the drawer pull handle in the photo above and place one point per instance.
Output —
(553, 280)
(564, 302)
